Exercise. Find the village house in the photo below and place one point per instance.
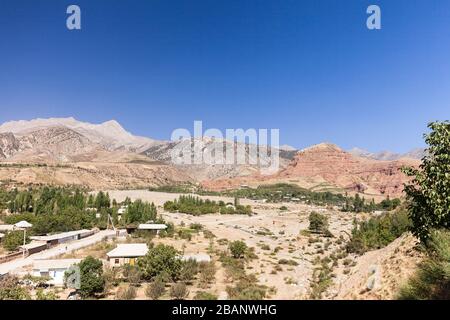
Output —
(127, 253)
(54, 268)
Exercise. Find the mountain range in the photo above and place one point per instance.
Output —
(67, 151)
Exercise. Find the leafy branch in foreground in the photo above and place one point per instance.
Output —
(428, 193)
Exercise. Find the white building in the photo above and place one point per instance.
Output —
(127, 253)
(54, 269)
(152, 227)
(199, 257)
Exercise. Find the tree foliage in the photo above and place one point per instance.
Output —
(160, 259)
(318, 222)
(91, 277)
(13, 240)
(378, 232)
(428, 193)
(238, 249)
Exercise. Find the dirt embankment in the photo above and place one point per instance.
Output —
(379, 274)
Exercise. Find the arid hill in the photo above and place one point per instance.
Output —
(324, 166)
(112, 157)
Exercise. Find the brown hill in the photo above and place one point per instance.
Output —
(326, 166)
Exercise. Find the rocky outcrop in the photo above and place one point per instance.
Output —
(9, 145)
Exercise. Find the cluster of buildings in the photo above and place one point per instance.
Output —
(123, 254)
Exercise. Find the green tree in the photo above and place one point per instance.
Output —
(428, 193)
(13, 240)
(318, 222)
(238, 249)
(160, 259)
(91, 277)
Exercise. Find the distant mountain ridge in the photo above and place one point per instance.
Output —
(110, 134)
(417, 153)
(107, 154)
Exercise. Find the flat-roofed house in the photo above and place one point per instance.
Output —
(53, 268)
(126, 253)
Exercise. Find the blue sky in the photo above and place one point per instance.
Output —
(310, 68)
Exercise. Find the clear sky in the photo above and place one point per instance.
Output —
(310, 68)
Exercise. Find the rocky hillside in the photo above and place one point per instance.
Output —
(110, 135)
(352, 173)
(328, 165)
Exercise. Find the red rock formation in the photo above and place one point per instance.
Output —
(327, 162)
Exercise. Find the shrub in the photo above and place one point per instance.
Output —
(247, 288)
(318, 223)
(188, 270)
(179, 291)
(126, 293)
(238, 249)
(49, 295)
(432, 279)
(132, 274)
(196, 226)
(207, 273)
(155, 289)
(288, 262)
(10, 289)
(202, 295)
